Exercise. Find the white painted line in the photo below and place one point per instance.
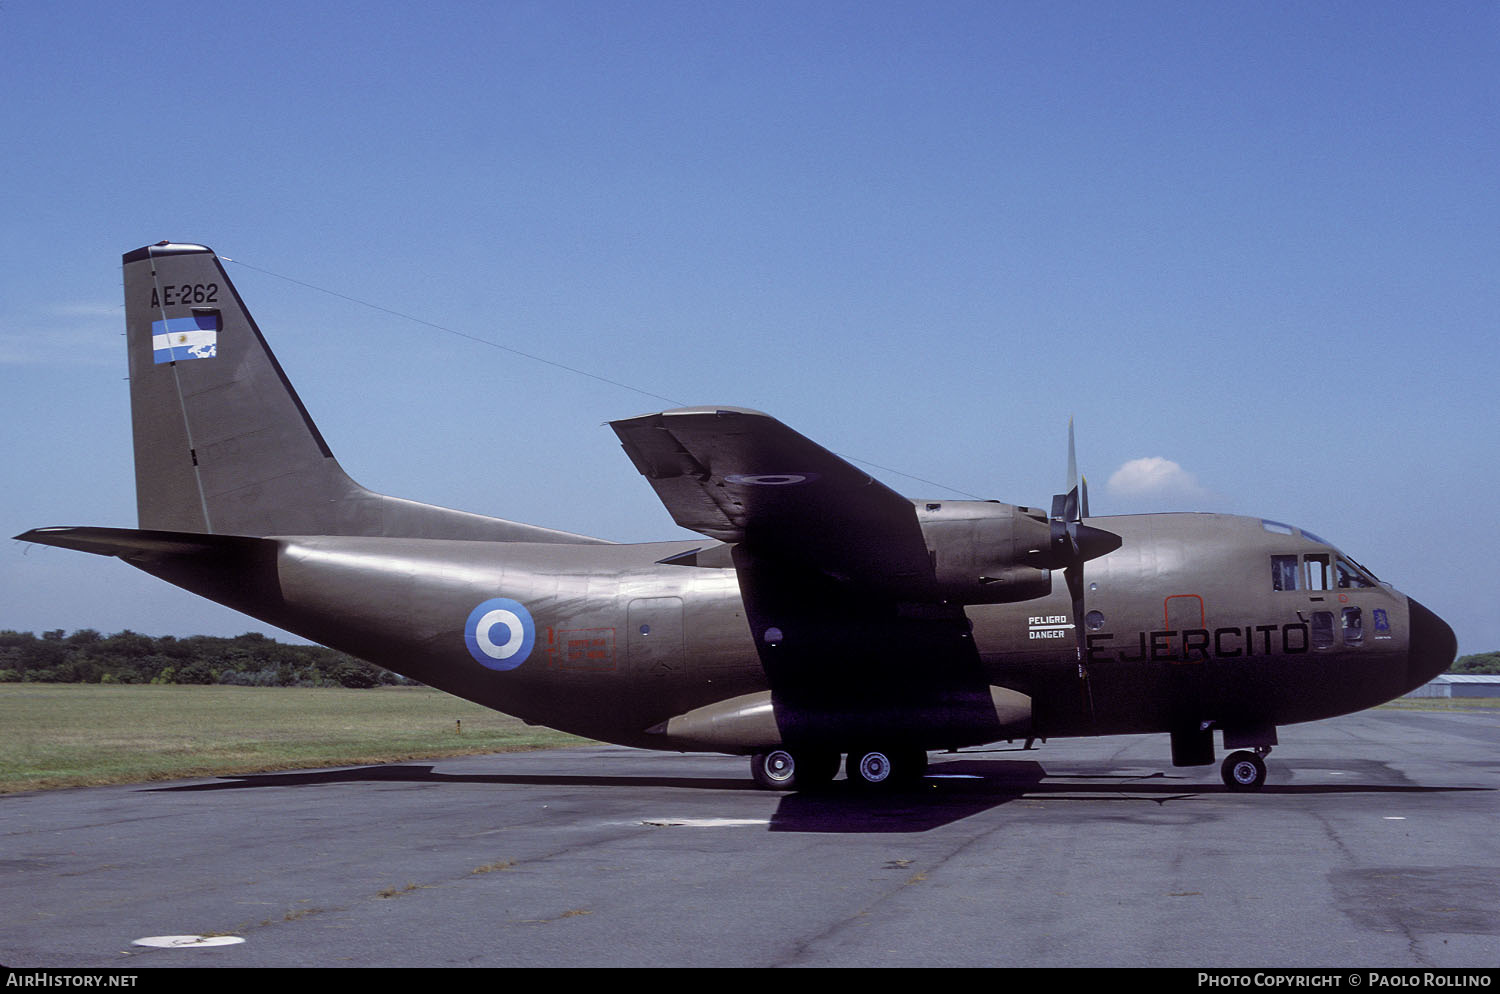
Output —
(187, 941)
(704, 822)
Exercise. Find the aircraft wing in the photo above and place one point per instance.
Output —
(814, 538)
(741, 476)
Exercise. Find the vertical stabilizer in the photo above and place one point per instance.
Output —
(219, 432)
(223, 443)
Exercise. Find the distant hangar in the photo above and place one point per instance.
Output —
(1460, 685)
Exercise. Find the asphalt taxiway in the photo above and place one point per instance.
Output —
(1374, 844)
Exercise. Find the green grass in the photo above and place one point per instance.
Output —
(1444, 703)
(71, 735)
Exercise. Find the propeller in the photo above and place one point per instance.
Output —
(1075, 543)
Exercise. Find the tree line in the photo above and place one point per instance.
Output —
(1478, 662)
(249, 660)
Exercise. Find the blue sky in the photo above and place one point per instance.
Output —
(1251, 248)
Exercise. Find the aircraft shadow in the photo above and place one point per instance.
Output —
(426, 774)
(955, 790)
(950, 792)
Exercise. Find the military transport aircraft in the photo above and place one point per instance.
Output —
(823, 614)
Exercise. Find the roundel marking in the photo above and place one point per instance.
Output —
(769, 479)
(500, 633)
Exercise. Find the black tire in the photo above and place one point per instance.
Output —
(1243, 771)
(911, 765)
(775, 769)
(884, 769)
(816, 769)
(870, 768)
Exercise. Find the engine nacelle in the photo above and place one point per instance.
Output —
(986, 552)
(752, 721)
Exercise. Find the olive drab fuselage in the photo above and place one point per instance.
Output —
(1184, 625)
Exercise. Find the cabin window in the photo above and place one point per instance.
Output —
(1322, 629)
(1283, 572)
(1354, 626)
(1318, 575)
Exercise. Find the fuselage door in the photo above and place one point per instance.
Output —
(1184, 617)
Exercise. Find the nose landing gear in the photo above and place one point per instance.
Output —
(1245, 771)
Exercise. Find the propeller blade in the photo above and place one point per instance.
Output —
(1059, 507)
(1073, 544)
(1074, 576)
(1072, 459)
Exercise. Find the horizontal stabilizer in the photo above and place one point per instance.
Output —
(143, 546)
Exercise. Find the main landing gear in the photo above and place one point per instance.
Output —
(783, 769)
(883, 768)
(1245, 771)
(786, 769)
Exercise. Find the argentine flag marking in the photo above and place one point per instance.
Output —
(177, 339)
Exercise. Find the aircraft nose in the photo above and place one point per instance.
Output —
(1432, 648)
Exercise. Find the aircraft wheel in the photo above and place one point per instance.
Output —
(782, 769)
(870, 768)
(1243, 771)
(886, 767)
(775, 769)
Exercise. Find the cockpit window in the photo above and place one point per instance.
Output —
(1283, 572)
(1365, 571)
(1276, 526)
(1318, 575)
(1350, 577)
